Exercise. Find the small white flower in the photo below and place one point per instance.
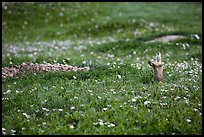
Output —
(74, 77)
(133, 100)
(176, 98)
(164, 97)
(95, 123)
(101, 123)
(8, 91)
(186, 101)
(147, 102)
(44, 123)
(196, 36)
(163, 104)
(195, 109)
(188, 120)
(73, 107)
(45, 109)
(13, 130)
(112, 125)
(119, 76)
(37, 110)
(71, 126)
(60, 109)
(105, 109)
(138, 97)
(3, 129)
(26, 115)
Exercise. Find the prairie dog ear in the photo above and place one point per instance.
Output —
(158, 57)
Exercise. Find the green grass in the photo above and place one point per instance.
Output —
(117, 96)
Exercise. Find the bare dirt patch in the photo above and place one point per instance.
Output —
(36, 68)
(166, 39)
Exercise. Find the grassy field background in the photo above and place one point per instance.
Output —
(118, 94)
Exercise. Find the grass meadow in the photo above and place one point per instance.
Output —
(118, 95)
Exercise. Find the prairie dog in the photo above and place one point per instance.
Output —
(158, 57)
(157, 66)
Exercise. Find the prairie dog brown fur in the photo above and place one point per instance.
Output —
(157, 66)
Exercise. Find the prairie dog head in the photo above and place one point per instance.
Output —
(158, 57)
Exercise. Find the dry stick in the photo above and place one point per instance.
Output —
(157, 66)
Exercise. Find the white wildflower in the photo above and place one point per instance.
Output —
(45, 109)
(163, 104)
(133, 100)
(147, 102)
(138, 97)
(73, 107)
(26, 115)
(111, 125)
(186, 101)
(71, 126)
(13, 130)
(188, 120)
(119, 76)
(105, 109)
(196, 36)
(101, 123)
(8, 91)
(176, 98)
(74, 77)
(195, 109)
